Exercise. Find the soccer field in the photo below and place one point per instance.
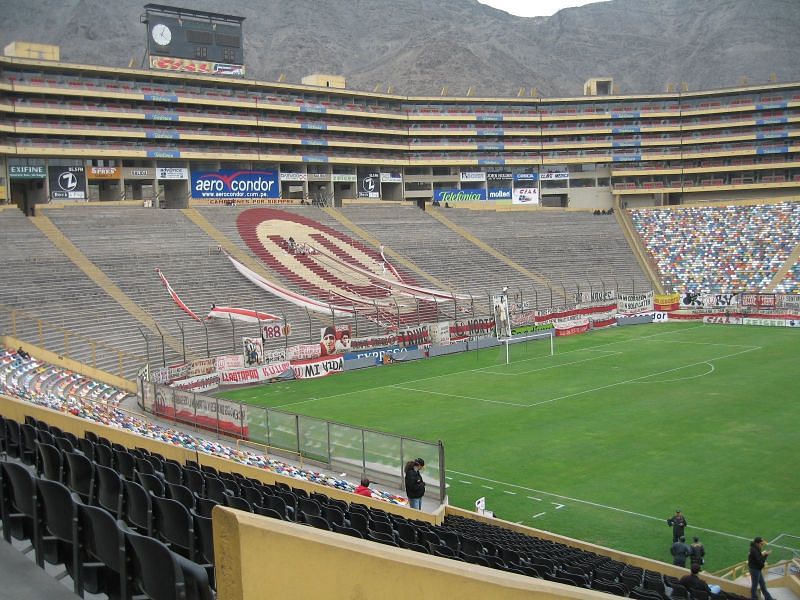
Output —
(605, 439)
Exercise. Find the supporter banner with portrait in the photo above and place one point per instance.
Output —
(502, 318)
(631, 304)
(253, 351)
(318, 367)
(440, 333)
(334, 340)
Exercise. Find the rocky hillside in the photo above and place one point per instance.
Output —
(419, 46)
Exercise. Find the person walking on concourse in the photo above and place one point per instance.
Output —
(755, 563)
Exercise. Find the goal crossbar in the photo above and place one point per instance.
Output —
(532, 337)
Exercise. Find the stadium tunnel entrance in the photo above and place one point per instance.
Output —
(555, 200)
(26, 194)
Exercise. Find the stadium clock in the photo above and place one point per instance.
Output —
(161, 34)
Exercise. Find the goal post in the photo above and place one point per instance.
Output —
(539, 337)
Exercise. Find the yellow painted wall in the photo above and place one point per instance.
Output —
(31, 50)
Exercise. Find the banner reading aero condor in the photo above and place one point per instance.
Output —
(235, 184)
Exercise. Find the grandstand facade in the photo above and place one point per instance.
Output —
(124, 134)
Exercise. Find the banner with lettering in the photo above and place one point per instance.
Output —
(631, 304)
(202, 411)
(255, 374)
(666, 302)
(319, 367)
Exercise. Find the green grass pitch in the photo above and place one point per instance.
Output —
(605, 439)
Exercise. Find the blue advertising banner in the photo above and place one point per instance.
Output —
(526, 176)
(459, 195)
(490, 131)
(500, 194)
(491, 161)
(235, 184)
(163, 153)
(377, 354)
(161, 116)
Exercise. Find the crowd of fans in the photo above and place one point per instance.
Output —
(26, 378)
(719, 248)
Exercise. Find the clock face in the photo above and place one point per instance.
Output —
(161, 34)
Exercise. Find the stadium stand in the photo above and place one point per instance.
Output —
(719, 248)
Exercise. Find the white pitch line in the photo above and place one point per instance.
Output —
(709, 372)
(534, 498)
(409, 389)
(539, 515)
(467, 482)
(607, 354)
(597, 505)
(636, 379)
(488, 487)
(510, 492)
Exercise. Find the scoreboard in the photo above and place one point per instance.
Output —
(180, 39)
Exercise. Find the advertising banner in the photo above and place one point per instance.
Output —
(173, 173)
(764, 322)
(526, 195)
(391, 177)
(138, 173)
(526, 177)
(453, 195)
(722, 320)
(531, 328)
(104, 173)
(228, 362)
(253, 351)
(660, 317)
(168, 63)
(637, 319)
(631, 304)
(235, 184)
(255, 374)
(500, 194)
(369, 183)
(343, 178)
(293, 176)
(318, 367)
(27, 172)
(499, 176)
(472, 176)
(378, 353)
(198, 383)
(665, 302)
(67, 182)
(554, 174)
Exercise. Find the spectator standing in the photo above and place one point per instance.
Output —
(755, 563)
(415, 486)
(363, 489)
(692, 581)
(678, 524)
(697, 557)
(680, 552)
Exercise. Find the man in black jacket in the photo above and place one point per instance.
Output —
(678, 524)
(755, 563)
(692, 581)
(680, 552)
(415, 486)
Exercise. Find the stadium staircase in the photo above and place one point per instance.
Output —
(102, 280)
(376, 243)
(783, 271)
(466, 234)
(635, 243)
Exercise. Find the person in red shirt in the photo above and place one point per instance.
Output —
(363, 489)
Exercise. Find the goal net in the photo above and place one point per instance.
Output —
(533, 345)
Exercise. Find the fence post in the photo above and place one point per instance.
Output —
(363, 453)
(205, 328)
(233, 334)
(183, 339)
(442, 479)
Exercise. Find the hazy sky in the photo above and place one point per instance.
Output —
(534, 8)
